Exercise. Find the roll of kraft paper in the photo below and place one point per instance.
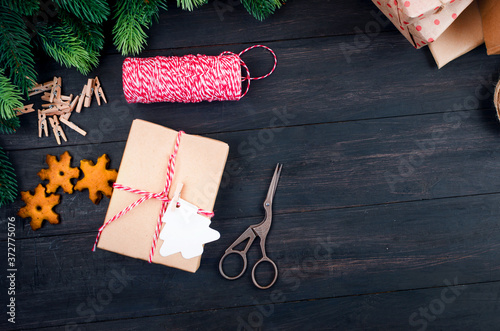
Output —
(189, 78)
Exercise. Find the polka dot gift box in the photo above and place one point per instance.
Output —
(422, 21)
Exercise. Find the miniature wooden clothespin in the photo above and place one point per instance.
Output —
(42, 124)
(52, 112)
(88, 92)
(39, 88)
(56, 128)
(67, 113)
(63, 101)
(73, 103)
(81, 99)
(99, 92)
(46, 96)
(66, 97)
(26, 109)
(55, 93)
(72, 125)
(56, 106)
(59, 129)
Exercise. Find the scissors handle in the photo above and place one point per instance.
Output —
(254, 279)
(243, 256)
(248, 234)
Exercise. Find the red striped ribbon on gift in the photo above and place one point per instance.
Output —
(162, 196)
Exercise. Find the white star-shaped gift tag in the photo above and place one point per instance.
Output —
(185, 230)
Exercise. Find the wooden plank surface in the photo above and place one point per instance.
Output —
(388, 191)
(227, 22)
(409, 310)
(342, 252)
(323, 88)
(325, 166)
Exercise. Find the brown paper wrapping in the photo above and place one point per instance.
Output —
(490, 13)
(199, 166)
(465, 34)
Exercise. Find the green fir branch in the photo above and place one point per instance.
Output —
(10, 97)
(16, 52)
(261, 9)
(22, 7)
(60, 43)
(8, 182)
(190, 4)
(132, 17)
(9, 126)
(95, 11)
(90, 34)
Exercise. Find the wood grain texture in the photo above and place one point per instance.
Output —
(342, 252)
(395, 311)
(325, 166)
(323, 88)
(227, 22)
(388, 194)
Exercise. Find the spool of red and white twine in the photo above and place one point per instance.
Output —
(189, 78)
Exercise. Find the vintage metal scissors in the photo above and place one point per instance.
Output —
(257, 230)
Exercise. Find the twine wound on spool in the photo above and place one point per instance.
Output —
(189, 78)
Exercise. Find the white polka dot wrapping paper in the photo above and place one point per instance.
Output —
(421, 21)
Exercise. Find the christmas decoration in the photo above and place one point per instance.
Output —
(190, 78)
(150, 178)
(132, 17)
(262, 9)
(10, 98)
(9, 126)
(8, 183)
(60, 173)
(73, 36)
(71, 33)
(97, 179)
(39, 207)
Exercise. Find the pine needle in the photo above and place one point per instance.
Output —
(60, 43)
(22, 7)
(132, 17)
(190, 4)
(9, 126)
(8, 182)
(261, 9)
(16, 53)
(90, 34)
(10, 98)
(95, 11)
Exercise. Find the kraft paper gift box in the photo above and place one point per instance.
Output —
(199, 166)
(422, 21)
(465, 34)
(490, 13)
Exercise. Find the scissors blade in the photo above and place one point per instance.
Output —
(273, 185)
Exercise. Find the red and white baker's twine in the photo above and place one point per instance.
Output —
(189, 78)
(162, 196)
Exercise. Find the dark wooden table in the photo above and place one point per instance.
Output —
(386, 215)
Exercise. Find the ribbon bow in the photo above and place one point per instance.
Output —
(162, 196)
